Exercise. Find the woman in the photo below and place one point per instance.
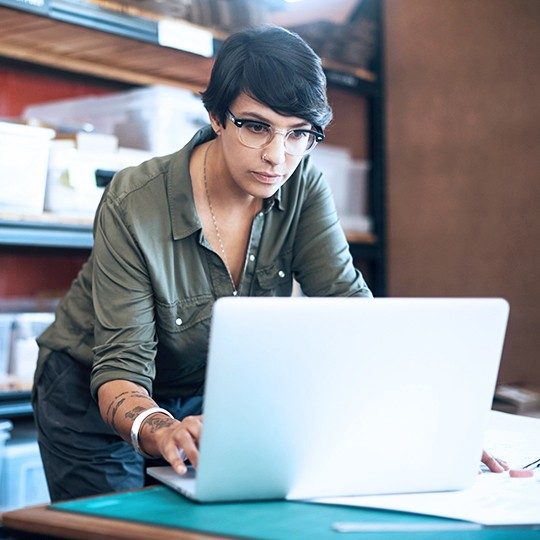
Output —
(240, 210)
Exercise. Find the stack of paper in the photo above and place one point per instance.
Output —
(494, 499)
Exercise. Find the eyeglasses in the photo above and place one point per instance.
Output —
(258, 134)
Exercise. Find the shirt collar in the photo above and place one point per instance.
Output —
(274, 200)
(183, 214)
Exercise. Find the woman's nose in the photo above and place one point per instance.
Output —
(274, 152)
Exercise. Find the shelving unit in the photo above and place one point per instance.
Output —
(15, 404)
(87, 39)
(45, 231)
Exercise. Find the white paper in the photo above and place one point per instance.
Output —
(516, 439)
(494, 499)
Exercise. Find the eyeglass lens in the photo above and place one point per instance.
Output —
(255, 135)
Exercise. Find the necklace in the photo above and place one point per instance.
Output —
(216, 228)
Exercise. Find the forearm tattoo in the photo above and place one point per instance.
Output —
(114, 411)
(158, 423)
(134, 412)
(119, 400)
(113, 402)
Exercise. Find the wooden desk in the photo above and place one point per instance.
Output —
(157, 513)
(40, 520)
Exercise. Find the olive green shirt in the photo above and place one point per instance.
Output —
(141, 306)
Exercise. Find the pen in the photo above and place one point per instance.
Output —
(533, 465)
(359, 526)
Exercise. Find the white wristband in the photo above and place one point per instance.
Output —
(136, 426)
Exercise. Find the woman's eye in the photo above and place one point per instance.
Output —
(298, 134)
(256, 127)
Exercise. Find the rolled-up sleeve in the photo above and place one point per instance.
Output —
(322, 261)
(125, 337)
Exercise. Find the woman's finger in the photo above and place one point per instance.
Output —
(492, 463)
(179, 446)
(193, 425)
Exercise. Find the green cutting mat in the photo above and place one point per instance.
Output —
(270, 520)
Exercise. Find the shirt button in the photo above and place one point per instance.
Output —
(281, 274)
(252, 257)
(178, 321)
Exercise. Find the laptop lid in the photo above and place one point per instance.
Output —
(311, 397)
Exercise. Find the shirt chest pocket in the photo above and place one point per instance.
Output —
(184, 314)
(275, 279)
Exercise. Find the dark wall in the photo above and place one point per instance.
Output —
(463, 134)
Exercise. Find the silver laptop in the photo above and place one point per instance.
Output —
(313, 397)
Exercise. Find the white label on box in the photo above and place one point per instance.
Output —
(185, 37)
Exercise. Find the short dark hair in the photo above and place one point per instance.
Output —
(273, 66)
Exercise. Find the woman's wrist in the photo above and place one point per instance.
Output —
(143, 419)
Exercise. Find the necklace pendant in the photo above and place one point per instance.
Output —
(235, 293)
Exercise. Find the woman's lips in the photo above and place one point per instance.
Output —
(267, 178)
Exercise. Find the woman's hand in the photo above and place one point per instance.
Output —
(120, 402)
(494, 464)
(172, 439)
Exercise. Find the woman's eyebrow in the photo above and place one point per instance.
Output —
(257, 116)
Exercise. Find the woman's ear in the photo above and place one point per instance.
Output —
(215, 123)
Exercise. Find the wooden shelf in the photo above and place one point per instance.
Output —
(156, 10)
(45, 230)
(356, 237)
(47, 219)
(15, 403)
(345, 76)
(51, 230)
(122, 44)
(42, 40)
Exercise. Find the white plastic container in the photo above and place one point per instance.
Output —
(71, 182)
(22, 480)
(24, 155)
(158, 119)
(348, 181)
(6, 324)
(333, 162)
(24, 351)
(355, 215)
(5, 428)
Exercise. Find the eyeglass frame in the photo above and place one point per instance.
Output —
(239, 122)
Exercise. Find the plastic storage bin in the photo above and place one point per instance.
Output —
(24, 156)
(158, 119)
(71, 182)
(348, 180)
(5, 428)
(22, 477)
(24, 349)
(6, 324)
(355, 215)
